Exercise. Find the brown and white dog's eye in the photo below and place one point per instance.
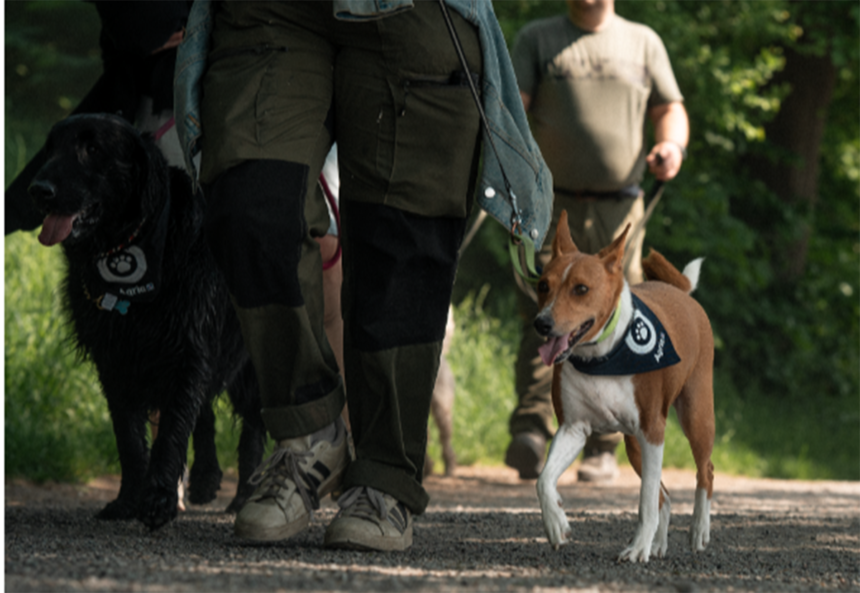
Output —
(580, 289)
(543, 287)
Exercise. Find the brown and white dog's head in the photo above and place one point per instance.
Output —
(577, 293)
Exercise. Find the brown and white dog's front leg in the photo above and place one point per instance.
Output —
(649, 504)
(566, 445)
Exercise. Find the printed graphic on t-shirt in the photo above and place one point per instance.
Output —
(566, 67)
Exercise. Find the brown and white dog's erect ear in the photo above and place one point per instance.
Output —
(613, 254)
(562, 242)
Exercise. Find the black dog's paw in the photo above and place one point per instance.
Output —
(118, 510)
(158, 506)
(203, 485)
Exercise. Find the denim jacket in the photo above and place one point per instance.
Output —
(518, 154)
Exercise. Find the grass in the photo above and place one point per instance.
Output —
(56, 423)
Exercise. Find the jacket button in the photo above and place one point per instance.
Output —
(489, 193)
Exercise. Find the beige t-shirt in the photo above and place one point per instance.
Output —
(590, 93)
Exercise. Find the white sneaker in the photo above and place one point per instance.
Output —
(370, 520)
(294, 478)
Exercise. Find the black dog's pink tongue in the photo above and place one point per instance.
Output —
(55, 228)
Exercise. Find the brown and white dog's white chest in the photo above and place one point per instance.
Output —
(605, 403)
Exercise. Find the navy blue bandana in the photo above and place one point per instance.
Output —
(645, 347)
(131, 272)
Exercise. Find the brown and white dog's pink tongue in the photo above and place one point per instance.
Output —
(552, 348)
(55, 228)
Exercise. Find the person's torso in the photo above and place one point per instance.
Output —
(591, 101)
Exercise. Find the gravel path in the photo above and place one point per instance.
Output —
(482, 532)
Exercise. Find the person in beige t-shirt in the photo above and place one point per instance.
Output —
(591, 82)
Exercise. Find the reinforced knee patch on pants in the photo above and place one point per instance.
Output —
(400, 273)
(255, 227)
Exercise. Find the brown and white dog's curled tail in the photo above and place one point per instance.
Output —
(657, 267)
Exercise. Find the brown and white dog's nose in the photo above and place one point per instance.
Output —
(544, 324)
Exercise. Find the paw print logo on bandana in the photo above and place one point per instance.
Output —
(123, 264)
(641, 338)
(124, 267)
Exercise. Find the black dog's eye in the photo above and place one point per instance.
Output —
(92, 150)
(543, 287)
(580, 289)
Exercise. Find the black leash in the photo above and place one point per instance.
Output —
(652, 199)
(521, 247)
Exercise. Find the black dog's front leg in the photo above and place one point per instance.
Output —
(245, 396)
(159, 498)
(129, 426)
(205, 478)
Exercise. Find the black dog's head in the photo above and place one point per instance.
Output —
(101, 179)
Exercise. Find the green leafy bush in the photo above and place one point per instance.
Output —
(57, 425)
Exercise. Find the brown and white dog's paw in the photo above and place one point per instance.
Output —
(555, 522)
(638, 551)
(700, 531)
(660, 545)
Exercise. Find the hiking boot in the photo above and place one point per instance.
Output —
(370, 520)
(599, 467)
(291, 483)
(526, 454)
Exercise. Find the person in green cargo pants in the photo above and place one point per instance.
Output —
(284, 81)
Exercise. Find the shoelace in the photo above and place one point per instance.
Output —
(370, 506)
(283, 465)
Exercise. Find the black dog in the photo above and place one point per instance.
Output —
(149, 308)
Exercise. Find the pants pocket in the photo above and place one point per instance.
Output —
(437, 130)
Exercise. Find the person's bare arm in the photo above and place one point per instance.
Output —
(671, 134)
(174, 41)
(527, 100)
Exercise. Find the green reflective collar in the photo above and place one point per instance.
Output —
(613, 322)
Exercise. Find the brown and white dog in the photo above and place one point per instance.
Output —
(590, 315)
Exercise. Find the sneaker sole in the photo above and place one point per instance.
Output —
(365, 543)
(271, 534)
(595, 479)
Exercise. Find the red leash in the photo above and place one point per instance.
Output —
(165, 128)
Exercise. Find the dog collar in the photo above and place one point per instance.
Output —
(610, 327)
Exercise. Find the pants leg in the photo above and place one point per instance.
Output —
(534, 411)
(408, 140)
(266, 116)
(265, 249)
